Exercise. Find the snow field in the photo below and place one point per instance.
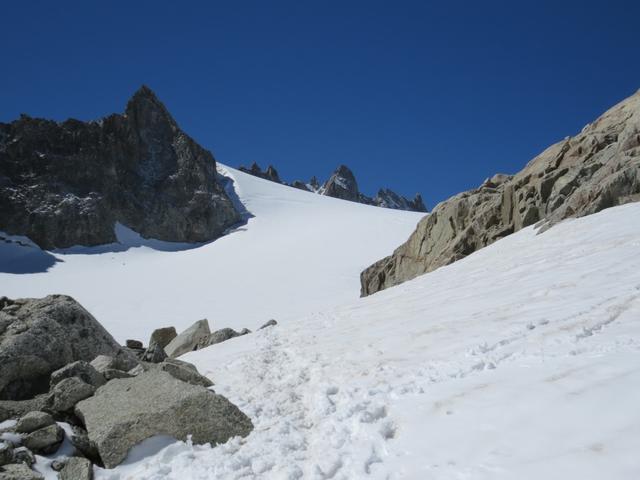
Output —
(520, 361)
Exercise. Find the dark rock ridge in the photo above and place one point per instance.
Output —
(342, 184)
(597, 169)
(65, 184)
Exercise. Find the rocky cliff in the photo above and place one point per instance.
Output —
(596, 169)
(64, 184)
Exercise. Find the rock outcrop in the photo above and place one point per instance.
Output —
(39, 336)
(390, 199)
(342, 184)
(188, 340)
(65, 184)
(269, 174)
(124, 412)
(596, 169)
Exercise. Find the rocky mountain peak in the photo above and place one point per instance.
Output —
(144, 109)
(65, 184)
(342, 184)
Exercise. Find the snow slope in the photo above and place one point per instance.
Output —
(300, 252)
(521, 361)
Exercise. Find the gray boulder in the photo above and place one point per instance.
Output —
(44, 441)
(597, 169)
(68, 392)
(163, 336)
(24, 455)
(123, 360)
(155, 353)
(81, 369)
(33, 421)
(134, 344)
(125, 412)
(76, 468)
(270, 323)
(39, 336)
(80, 440)
(188, 340)
(6, 453)
(220, 336)
(18, 471)
(185, 371)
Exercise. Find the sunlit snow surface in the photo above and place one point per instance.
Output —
(300, 252)
(521, 361)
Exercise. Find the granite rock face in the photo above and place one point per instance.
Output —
(39, 336)
(65, 184)
(124, 412)
(597, 169)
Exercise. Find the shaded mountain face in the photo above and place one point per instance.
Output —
(596, 169)
(65, 184)
(342, 184)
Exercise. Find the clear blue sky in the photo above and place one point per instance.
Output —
(417, 96)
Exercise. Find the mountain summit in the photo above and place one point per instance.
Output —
(343, 185)
(69, 183)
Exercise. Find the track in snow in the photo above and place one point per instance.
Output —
(521, 361)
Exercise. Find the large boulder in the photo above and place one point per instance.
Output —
(6, 453)
(163, 336)
(33, 421)
(24, 455)
(125, 412)
(68, 392)
(76, 468)
(39, 336)
(81, 369)
(44, 441)
(68, 183)
(18, 471)
(185, 371)
(597, 169)
(188, 340)
(220, 336)
(123, 360)
(155, 353)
